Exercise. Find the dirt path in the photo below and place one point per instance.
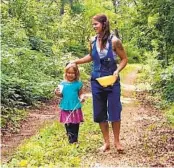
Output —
(35, 120)
(147, 138)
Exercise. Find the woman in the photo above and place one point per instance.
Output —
(104, 49)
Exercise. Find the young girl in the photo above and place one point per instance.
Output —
(70, 104)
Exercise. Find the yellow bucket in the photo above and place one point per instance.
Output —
(106, 80)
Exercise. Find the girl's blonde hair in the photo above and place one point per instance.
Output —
(76, 69)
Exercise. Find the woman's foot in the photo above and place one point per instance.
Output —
(119, 147)
(104, 148)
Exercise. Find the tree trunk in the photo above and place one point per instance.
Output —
(71, 3)
(62, 8)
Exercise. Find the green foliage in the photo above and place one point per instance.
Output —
(25, 80)
(166, 83)
(32, 53)
(153, 28)
(40, 37)
(11, 118)
(13, 33)
(134, 55)
(156, 27)
(161, 79)
(77, 7)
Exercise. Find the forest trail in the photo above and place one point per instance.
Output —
(145, 135)
(35, 120)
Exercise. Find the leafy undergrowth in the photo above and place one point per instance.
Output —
(10, 122)
(157, 144)
(147, 99)
(146, 93)
(50, 148)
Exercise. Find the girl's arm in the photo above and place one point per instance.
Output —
(118, 48)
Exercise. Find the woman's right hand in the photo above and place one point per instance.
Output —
(82, 60)
(70, 64)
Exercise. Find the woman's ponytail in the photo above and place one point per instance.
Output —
(106, 33)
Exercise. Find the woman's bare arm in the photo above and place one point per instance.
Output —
(83, 60)
(118, 48)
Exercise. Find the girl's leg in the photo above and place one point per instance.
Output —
(116, 132)
(76, 132)
(72, 132)
(104, 126)
(69, 131)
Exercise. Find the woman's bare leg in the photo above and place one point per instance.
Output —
(116, 132)
(104, 126)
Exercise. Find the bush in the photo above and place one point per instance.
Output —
(134, 55)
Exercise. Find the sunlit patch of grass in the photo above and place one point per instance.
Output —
(170, 115)
(128, 69)
(151, 127)
(50, 147)
(124, 77)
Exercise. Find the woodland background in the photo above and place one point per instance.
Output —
(38, 37)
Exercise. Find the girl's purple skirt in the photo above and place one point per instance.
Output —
(67, 116)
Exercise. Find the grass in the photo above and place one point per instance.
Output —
(50, 147)
(124, 76)
(170, 115)
(129, 68)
